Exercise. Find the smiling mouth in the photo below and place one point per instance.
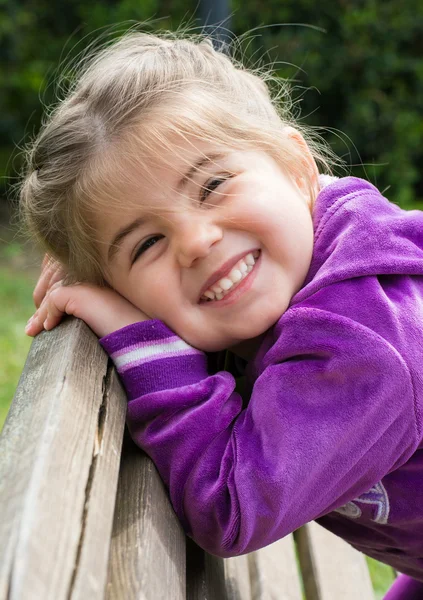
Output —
(232, 280)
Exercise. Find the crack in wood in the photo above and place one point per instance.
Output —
(98, 438)
(102, 411)
(9, 582)
(255, 583)
(309, 576)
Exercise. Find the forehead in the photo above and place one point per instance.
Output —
(150, 180)
(150, 175)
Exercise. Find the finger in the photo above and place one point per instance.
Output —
(57, 305)
(40, 289)
(36, 322)
(58, 301)
(52, 318)
(50, 275)
(42, 284)
(34, 326)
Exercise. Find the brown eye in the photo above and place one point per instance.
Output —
(145, 246)
(211, 185)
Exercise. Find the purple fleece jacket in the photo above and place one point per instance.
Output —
(331, 429)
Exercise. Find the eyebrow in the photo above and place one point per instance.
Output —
(117, 241)
(119, 237)
(204, 160)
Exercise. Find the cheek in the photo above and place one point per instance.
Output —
(146, 291)
(155, 299)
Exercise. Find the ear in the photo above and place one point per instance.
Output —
(308, 166)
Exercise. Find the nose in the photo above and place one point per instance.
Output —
(194, 239)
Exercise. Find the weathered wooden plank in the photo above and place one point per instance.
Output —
(331, 568)
(268, 574)
(90, 576)
(274, 572)
(205, 575)
(237, 578)
(59, 447)
(210, 577)
(147, 555)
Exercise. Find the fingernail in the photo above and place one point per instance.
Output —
(31, 322)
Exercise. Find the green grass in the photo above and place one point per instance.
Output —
(382, 577)
(16, 308)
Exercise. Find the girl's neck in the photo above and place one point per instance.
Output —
(248, 349)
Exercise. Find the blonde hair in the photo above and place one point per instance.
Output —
(124, 100)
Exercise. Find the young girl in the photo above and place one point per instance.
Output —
(188, 213)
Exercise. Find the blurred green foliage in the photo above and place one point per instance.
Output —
(368, 78)
(382, 577)
(357, 71)
(16, 307)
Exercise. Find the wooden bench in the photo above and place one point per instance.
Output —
(84, 514)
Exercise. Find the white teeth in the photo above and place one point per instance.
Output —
(239, 272)
(235, 275)
(225, 284)
(216, 289)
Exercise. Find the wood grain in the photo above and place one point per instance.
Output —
(274, 572)
(147, 557)
(331, 568)
(60, 451)
(205, 574)
(237, 578)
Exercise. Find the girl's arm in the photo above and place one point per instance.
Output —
(331, 413)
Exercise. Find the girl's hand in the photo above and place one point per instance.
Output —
(51, 272)
(102, 309)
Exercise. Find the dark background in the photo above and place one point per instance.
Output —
(356, 67)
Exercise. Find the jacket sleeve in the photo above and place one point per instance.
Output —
(331, 412)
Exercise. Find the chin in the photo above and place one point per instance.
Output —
(262, 326)
(230, 343)
(216, 345)
(256, 329)
(213, 346)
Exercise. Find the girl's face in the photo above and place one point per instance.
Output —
(234, 222)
